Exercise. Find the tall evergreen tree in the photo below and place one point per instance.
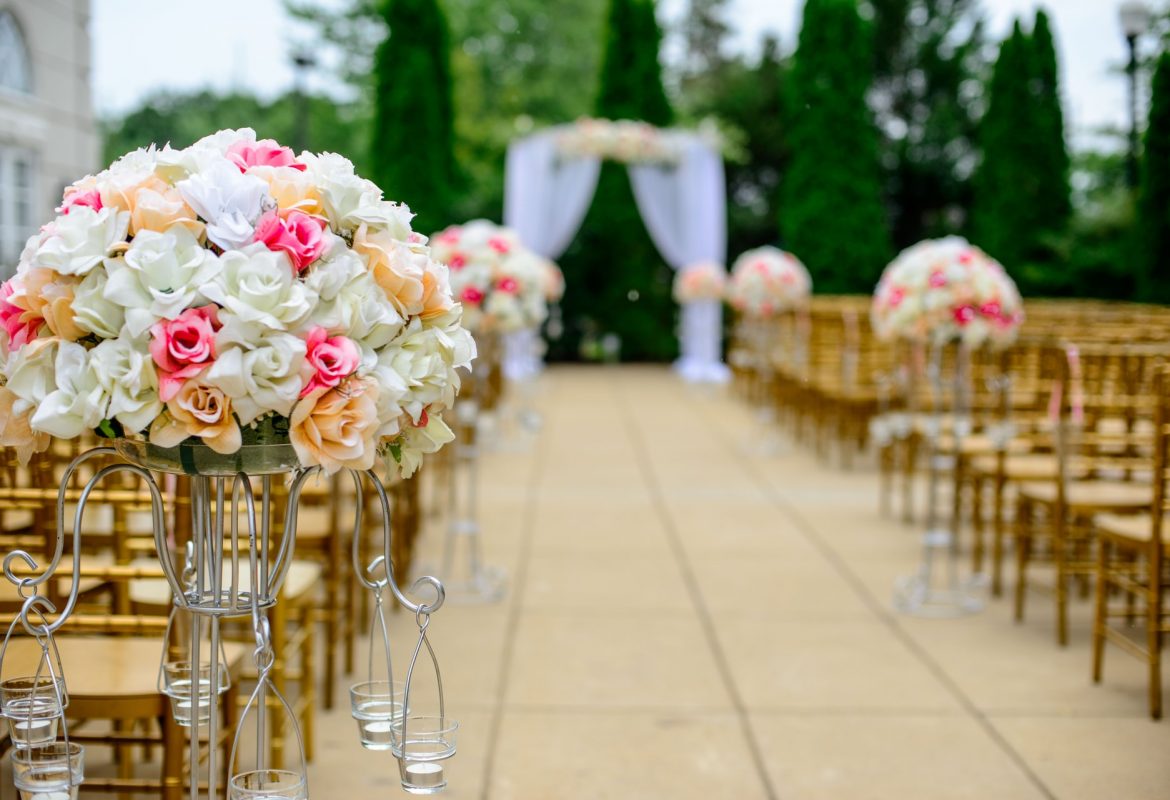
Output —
(1003, 213)
(617, 281)
(1022, 200)
(831, 214)
(929, 57)
(1153, 229)
(1049, 159)
(412, 147)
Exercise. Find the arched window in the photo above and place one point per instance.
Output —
(15, 71)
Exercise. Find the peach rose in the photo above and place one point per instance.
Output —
(436, 299)
(199, 409)
(57, 308)
(291, 189)
(335, 428)
(125, 197)
(156, 210)
(15, 431)
(393, 269)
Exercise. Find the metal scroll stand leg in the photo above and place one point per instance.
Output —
(926, 593)
(478, 583)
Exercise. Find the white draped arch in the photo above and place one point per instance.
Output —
(682, 202)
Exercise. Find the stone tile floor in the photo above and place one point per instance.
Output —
(686, 620)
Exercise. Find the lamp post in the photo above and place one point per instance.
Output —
(303, 60)
(1135, 20)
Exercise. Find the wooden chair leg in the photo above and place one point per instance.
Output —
(1060, 554)
(1100, 612)
(308, 685)
(1154, 638)
(998, 534)
(978, 552)
(173, 740)
(1023, 552)
(910, 452)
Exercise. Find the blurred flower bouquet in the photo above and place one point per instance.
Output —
(705, 280)
(554, 282)
(945, 289)
(501, 283)
(767, 281)
(625, 141)
(228, 294)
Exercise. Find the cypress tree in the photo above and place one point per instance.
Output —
(412, 147)
(1003, 209)
(1153, 217)
(1049, 161)
(831, 213)
(617, 281)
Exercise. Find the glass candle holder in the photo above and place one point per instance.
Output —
(427, 743)
(50, 772)
(191, 701)
(268, 784)
(375, 705)
(33, 708)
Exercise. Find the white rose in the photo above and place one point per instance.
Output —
(416, 442)
(32, 371)
(426, 359)
(222, 140)
(175, 165)
(81, 239)
(258, 287)
(159, 276)
(127, 374)
(229, 200)
(394, 218)
(93, 312)
(343, 193)
(336, 271)
(266, 378)
(78, 403)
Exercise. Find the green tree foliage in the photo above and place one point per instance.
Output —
(182, 118)
(831, 214)
(616, 281)
(1153, 229)
(1022, 201)
(412, 143)
(929, 62)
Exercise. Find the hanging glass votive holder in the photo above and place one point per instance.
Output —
(422, 742)
(268, 784)
(53, 771)
(33, 707)
(375, 703)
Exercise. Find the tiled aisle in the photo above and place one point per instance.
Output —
(685, 620)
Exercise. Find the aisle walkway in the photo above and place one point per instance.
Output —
(687, 621)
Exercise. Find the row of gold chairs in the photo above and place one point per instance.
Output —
(1056, 446)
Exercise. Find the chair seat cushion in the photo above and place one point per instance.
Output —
(1093, 495)
(1137, 529)
(303, 577)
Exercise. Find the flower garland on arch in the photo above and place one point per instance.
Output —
(628, 141)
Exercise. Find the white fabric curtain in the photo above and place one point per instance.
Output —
(683, 205)
(546, 198)
(684, 208)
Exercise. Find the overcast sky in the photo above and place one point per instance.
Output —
(244, 44)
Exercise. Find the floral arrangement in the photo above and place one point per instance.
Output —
(554, 282)
(944, 289)
(626, 141)
(705, 280)
(499, 281)
(767, 281)
(232, 293)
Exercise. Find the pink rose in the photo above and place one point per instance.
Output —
(499, 244)
(91, 199)
(22, 324)
(964, 315)
(938, 279)
(508, 285)
(328, 360)
(990, 309)
(264, 153)
(897, 294)
(471, 296)
(457, 261)
(299, 235)
(449, 236)
(182, 347)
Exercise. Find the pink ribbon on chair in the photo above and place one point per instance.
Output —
(1076, 390)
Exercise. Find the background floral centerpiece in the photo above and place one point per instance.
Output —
(705, 280)
(945, 289)
(767, 281)
(554, 282)
(232, 293)
(500, 282)
(626, 141)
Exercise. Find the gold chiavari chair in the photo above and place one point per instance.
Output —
(1095, 428)
(1132, 564)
